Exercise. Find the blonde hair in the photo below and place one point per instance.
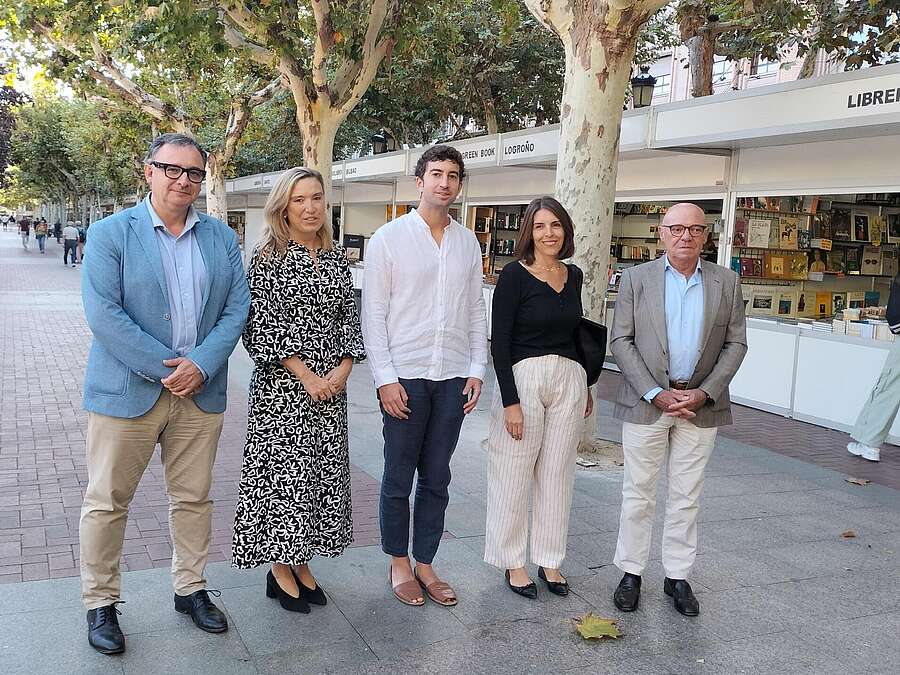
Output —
(276, 230)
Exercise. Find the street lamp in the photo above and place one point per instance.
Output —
(379, 143)
(642, 88)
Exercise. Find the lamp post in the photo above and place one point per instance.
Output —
(642, 88)
(379, 143)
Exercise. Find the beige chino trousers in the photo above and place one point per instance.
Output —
(683, 449)
(553, 395)
(118, 452)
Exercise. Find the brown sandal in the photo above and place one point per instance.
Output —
(437, 591)
(408, 592)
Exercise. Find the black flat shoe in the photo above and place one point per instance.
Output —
(288, 602)
(680, 591)
(205, 615)
(104, 633)
(314, 596)
(529, 591)
(628, 593)
(556, 587)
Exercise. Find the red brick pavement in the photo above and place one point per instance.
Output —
(817, 445)
(43, 351)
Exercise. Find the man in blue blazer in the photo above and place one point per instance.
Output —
(166, 298)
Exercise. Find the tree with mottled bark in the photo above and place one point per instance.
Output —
(327, 53)
(171, 63)
(599, 39)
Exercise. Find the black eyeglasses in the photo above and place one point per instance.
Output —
(678, 230)
(173, 171)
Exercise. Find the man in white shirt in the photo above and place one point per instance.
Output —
(425, 330)
(70, 239)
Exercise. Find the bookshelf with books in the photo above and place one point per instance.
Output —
(497, 229)
(809, 257)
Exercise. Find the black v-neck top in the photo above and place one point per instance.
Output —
(531, 319)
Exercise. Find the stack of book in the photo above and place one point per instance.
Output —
(821, 326)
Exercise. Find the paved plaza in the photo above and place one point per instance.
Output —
(781, 589)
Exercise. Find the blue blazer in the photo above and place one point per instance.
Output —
(127, 308)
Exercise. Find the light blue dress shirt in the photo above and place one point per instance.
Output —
(185, 278)
(684, 323)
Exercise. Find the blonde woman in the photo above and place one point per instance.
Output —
(303, 334)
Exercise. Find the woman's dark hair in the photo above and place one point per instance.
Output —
(525, 247)
(440, 153)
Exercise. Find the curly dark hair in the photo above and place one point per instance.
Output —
(440, 153)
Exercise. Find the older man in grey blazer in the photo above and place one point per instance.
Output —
(678, 337)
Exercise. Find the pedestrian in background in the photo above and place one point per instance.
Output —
(70, 242)
(40, 233)
(57, 231)
(540, 401)
(82, 238)
(25, 231)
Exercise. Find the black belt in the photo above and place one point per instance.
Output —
(678, 385)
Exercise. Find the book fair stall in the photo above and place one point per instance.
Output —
(801, 188)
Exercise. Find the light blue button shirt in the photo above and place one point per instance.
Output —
(185, 278)
(684, 323)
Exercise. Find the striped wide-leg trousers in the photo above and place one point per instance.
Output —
(553, 395)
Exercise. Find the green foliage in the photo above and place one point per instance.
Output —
(9, 99)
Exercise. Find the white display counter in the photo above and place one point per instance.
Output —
(820, 378)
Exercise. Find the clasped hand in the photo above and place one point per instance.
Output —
(680, 402)
(187, 378)
(324, 388)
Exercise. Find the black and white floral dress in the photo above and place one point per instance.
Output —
(294, 498)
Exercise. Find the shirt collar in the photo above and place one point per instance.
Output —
(670, 267)
(422, 222)
(190, 220)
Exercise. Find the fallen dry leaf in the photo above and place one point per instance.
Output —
(858, 481)
(592, 627)
(849, 534)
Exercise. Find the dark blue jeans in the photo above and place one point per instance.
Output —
(424, 443)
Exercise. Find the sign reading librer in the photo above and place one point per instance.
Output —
(875, 97)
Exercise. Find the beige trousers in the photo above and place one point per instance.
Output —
(553, 396)
(684, 449)
(119, 450)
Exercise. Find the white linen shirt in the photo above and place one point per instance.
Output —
(423, 310)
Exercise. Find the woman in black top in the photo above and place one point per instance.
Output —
(540, 402)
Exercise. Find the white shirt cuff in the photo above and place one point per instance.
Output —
(650, 395)
(477, 371)
(385, 376)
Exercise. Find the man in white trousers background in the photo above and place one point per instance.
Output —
(679, 337)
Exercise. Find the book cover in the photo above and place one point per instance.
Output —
(796, 266)
(840, 225)
(853, 259)
(893, 228)
(834, 261)
(816, 261)
(762, 302)
(787, 233)
(775, 265)
(871, 260)
(805, 304)
(803, 239)
(823, 304)
(775, 233)
(758, 232)
(757, 267)
(838, 302)
(889, 266)
(740, 232)
(746, 267)
(787, 304)
(821, 226)
(861, 227)
(736, 264)
(871, 298)
(856, 299)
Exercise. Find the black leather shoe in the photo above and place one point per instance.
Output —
(205, 614)
(680, 591)
(288, 602)
(529, 591)
(314, 596)
(104, 633)
(628, 593)
(556, 587)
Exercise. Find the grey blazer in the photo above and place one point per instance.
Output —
(640, 344)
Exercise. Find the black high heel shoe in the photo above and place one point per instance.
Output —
(557, 587)
(315, 596)
(288, 602)
(529, 591)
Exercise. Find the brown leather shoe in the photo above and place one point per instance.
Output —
(439, 591)
(408, 592)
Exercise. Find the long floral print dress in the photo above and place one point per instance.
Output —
(294, 498)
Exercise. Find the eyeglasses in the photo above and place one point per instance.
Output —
(173, 171)
(678, 230)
